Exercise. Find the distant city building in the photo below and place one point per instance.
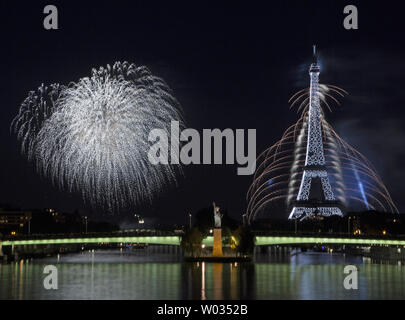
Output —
(13, 220)
(56, 216)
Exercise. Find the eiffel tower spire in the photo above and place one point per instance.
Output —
(315, 192)
(314, 56)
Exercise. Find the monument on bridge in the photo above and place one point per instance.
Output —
(217, 243)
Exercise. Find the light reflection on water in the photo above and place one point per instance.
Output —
(138, 275)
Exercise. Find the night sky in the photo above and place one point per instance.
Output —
(229, 65)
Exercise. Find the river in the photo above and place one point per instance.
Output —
(125, 274)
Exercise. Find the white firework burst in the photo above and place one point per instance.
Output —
(92, 136)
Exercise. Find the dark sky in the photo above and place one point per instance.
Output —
(230, 66)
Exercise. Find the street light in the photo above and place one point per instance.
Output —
(190, 215)
(243, 218)
(348, 225)
(85, 218)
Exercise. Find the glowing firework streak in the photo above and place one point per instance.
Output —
(361, 187)
(92, 136)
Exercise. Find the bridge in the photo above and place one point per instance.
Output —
(291, 240)
(174, 239)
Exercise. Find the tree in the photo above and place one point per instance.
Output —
(226, 236)
(244, 240)
(191, 242)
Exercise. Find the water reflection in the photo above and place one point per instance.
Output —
(129, 275)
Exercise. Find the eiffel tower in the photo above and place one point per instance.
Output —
(315, 196)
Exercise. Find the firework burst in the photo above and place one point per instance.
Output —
(92, 136)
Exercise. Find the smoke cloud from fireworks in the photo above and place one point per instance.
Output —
(92, 135)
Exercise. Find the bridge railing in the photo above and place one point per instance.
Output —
(121, 233)
(263, 233)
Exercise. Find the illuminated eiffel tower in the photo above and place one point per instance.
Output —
(315, 196)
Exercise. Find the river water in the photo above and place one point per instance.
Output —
(117, 274)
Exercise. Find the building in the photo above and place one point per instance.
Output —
(13, 221)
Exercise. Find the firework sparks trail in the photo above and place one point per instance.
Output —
(92, 136)
(283, 164)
